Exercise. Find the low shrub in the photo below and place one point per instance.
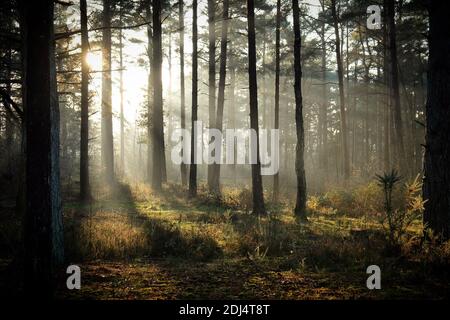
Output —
(261, 236)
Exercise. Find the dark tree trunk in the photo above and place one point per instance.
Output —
(148, 15)
(276, 177)
(394, 88)
(211, 78)
(379, 104)
(436, 187)
(366, 140)
(122, 116)
(323, 127)
(264, 84)
(43, 217)
(343, 113)
(182, 86)
(386, 79)
(170, 118)
(232, 105)
(322, 116)
(107, 126)
(157, 116)
(84, 131)
(221, 96)
(258, 197)
(300, 206)
(193, 166)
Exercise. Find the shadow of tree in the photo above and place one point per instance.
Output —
(117, 230)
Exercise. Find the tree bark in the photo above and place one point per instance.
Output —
(183, 167)
(264, 84)
(394, 87)
(221, 95)
(43, 218)
(170, 118)
(150, 146)
(386, 79)
(193, 165)
(122, 116)
(300, 206)
(436, 186)
(232, 103)
(107, 126)
(343, 113)
(258, 197)
(323, 126)
(276, 177)
(157, 117)
(211, 79)
(84, 128)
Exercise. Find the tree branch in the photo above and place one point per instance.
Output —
(62, 35)
(7, 102)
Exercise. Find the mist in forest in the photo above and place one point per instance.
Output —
(370, 133)
(144, 118)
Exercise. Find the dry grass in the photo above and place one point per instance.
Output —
(141, 230)
(148, 225)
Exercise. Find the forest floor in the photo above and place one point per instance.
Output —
(143, 245)
(164, 246)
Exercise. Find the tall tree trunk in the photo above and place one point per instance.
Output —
(150, 146)
(84, 128)
(349, 107)
(211, 78)
(264, 84)
(322, 118)
(379, 104)
(193, 166)
(258, 197)
(183, 167)
(170, 119)
(343, 113)
(323, 110)
(122, 116)
(300, 206)
(395, 88)
(386, 79)
(43, 218)
(354, 123)
(107, 126)
(437, 152)
(366, 140)
(232, 105)
(221, 95)
(157, 116)
(276, 177)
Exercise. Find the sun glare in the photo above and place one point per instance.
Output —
(94, 59)
(135, 80)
